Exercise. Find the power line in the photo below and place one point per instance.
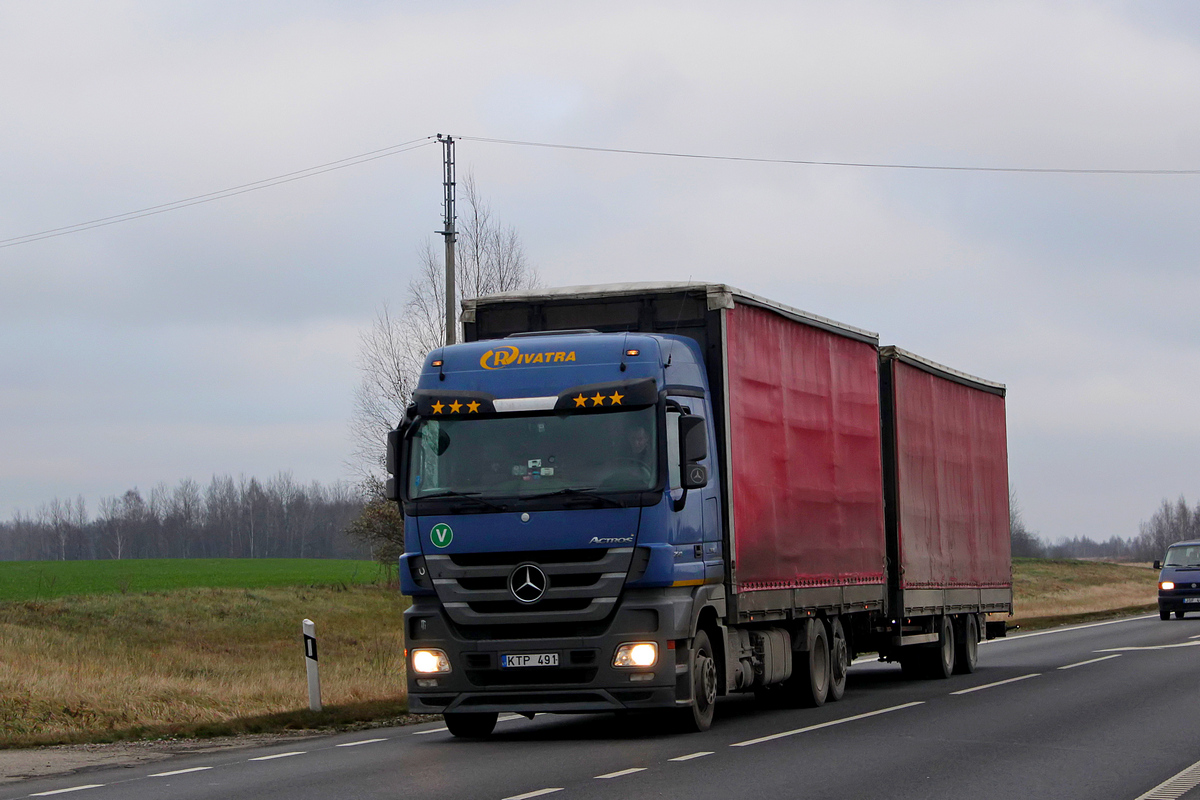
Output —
(864, 165)
(233, 191)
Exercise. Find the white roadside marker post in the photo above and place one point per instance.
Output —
(310, 662)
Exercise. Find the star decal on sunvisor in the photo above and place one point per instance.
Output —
(598, 399)
(455, 407)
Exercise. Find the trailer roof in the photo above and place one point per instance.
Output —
(941, 370)
(719, 295)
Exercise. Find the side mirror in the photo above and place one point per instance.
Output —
(693, 447)
(1158, 565)
(693, 442)
(393, 451)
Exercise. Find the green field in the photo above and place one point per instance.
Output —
(44, 580)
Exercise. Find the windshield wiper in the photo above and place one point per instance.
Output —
(468, 495)
(588, 492)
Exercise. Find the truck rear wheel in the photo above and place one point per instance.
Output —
(471, 726)
(941, 660)
(699, 717)
(839, 658)
(809, 684)
(966, 656)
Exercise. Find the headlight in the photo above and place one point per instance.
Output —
(428, 662)
(1167, 585)
(636, 654)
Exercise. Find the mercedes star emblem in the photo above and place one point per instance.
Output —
(528, 583)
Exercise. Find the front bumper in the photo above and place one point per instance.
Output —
(584, 680)
(1177, 600)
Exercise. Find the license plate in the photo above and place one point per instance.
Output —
(529, 660)
(1191, 599)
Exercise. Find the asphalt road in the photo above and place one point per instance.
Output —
(1109, 710)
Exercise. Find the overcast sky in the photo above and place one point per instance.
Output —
(221, 338)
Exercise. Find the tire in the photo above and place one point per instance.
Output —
(941, 659)
(966, 656)
(839, 658)
(698, 718)
(809, 684)
(471, 725)
(1164, 613)
(1179, 614)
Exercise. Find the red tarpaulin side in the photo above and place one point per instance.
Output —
(805, 454)
(952, 472)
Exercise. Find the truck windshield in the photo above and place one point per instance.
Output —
(533, 455)
(1183, 557)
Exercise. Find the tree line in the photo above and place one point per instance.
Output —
(228, 518)
(1172, 522)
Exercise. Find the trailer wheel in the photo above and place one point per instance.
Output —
(967, 656)
(471, 726)
(839, 658)
(941, 660)
(698, 718)
(809, 684)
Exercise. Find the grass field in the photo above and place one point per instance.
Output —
(102, 650)
(44, 580)
(190, 661)
(1054, 591)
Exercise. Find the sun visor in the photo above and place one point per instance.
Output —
(607, 396)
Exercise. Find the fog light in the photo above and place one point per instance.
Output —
(427, 683)
(638, 677)
(427, 662)
(1167, 586)
(636, 654)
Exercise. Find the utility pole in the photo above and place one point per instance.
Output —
(448, 232)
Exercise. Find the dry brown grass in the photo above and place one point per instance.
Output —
(113, 665)
(1056, 588)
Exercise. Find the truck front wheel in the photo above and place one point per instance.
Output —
(471, 726)
(699, 717)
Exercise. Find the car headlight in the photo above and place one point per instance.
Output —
(429, 662)
(1167, 585)
(636, 654)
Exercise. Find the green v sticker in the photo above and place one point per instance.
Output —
(441, 535)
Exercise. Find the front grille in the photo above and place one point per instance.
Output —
(582, 585)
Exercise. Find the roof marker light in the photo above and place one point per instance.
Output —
(632, 352)
(437, 363)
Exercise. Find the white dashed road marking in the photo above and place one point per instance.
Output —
(690, 756)
(538, 793)
(826, 724)
(997, 683)
(1151, 647)
(1091, 661)
(64, 791)
(623, 772)
(178, 772)
(280, 755)
(360, 741)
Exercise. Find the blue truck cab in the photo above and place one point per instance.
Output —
(561, 510)
(1179, 580)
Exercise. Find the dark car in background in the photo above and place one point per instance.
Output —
(1179, 581)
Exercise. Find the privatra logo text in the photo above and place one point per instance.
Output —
(508, 356)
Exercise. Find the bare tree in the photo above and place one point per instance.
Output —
(489, 259)
(1025, 543)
